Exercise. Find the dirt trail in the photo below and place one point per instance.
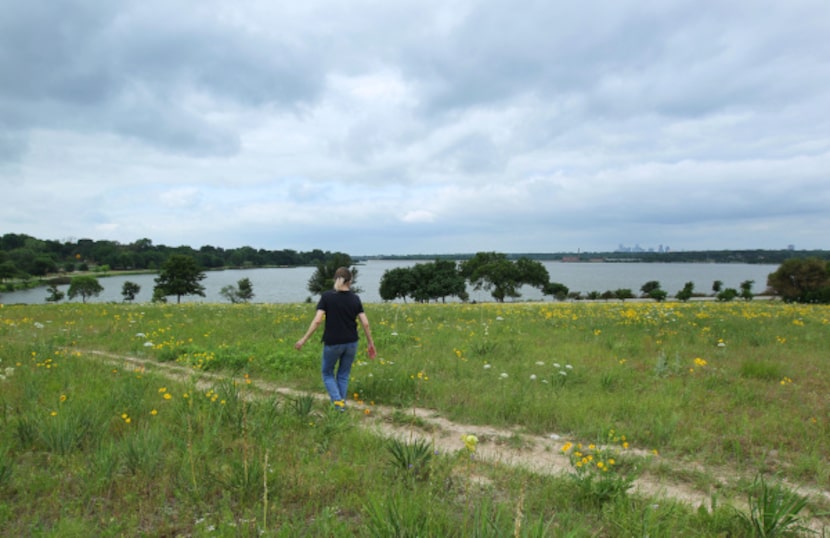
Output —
(539, 454)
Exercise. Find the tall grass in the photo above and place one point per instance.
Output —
(92, 447)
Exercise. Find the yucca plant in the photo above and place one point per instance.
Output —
(303, 404)
(773, 510)
(411, 458)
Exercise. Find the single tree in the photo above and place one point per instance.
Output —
(727, 294)
(717, 285)
(493, 272)
(802, 280)
(652, 290)
(746, 290)
(556, 290)
(179, 275)
(649, 286)
(129, 290)
(44, 265)
(437, 280)
(532, 273)
(245, 290)
(85, 286)
(607, 295)
(396, 283)
(55, 295)
(624, 293)
(686, 293)
(158, 295)
(323, 277)
(242, 293)
(658, 295)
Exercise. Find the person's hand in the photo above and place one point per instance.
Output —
(299, 344)
(372, 352)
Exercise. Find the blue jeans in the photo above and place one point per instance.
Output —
(337, 384)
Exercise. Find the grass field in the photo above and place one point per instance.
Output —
(728, 398)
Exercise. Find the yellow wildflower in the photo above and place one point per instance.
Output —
(470, 441)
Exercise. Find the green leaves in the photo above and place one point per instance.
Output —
(773, 510)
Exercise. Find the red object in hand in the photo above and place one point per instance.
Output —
(372, 352)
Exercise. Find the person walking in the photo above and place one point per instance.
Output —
(339, 308)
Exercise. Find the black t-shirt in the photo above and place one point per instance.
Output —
(342, 309)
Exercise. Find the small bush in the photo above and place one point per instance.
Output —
(411, 459)
(773, 510)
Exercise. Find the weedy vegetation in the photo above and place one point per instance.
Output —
(189, 443)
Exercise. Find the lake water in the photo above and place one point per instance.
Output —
(288, 285)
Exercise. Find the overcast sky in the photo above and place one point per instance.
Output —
(402, 127)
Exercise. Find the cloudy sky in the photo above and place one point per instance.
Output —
(394, 127)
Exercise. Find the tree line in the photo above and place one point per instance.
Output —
(754, 256)
(490, 271)
(796, 280)
(799, 278)
(23, 256)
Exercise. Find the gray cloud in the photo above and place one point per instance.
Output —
(417, 126)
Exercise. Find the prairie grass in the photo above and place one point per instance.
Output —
(88, 448)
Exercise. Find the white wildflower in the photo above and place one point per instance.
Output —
(140, 335)
(148, 344)
(556, 365)
(533, 377)
(487, 366)
(569, 367)
(38, 325)
(503, 375)
(540, 363)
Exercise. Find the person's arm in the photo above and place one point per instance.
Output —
(318, 319)
(364, 320)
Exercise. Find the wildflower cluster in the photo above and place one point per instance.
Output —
(213, 396)
(421, 375)
(562, 372)
(359, 400)
(699, 363)
(596, 470)
(6, 372)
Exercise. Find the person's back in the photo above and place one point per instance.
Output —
(340, 308)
